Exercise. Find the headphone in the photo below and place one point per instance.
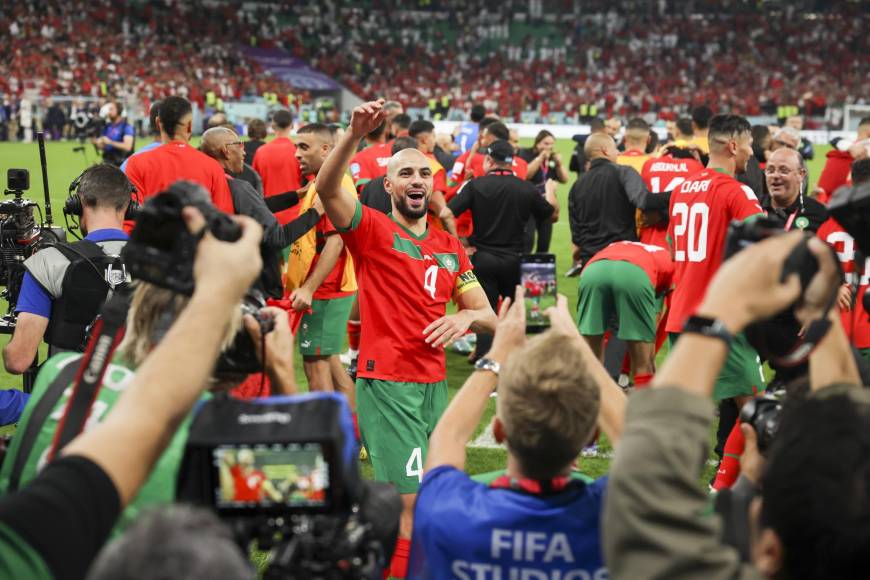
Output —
(73, 204)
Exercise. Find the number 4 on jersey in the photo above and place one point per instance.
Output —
(430, 279)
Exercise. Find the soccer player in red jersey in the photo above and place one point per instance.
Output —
(701, 209)
(249, 484)
(424, 133)
(176, 159)
(626, 280)
(636, 139)
(276, 163)
(408, 272)
(838, 163)
(371, 162)
(663, 174)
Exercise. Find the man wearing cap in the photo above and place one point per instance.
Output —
(500, 204)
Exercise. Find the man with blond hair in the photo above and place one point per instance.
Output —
(538, 519)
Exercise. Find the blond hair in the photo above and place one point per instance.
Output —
(548, 404)
(152, 312)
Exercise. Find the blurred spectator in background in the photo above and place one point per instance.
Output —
(54, 121)
(257, 132)
(277, 165)
(805, 148)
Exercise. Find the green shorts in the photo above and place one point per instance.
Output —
(395, 421)
(741, 375)
(865, 353)
(322, 331)
(616, 290)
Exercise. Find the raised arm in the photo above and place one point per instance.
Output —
(175, 374)
(339, 204)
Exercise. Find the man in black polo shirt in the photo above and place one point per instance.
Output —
(603, 202)
(501, 204)
(786, 203)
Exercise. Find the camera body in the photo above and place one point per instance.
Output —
(284, 471)
(764, 415)
(161, 250)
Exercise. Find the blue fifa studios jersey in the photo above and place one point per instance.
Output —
(469, 531)
(117, 132)
(467, 136)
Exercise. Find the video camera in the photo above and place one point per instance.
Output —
(283, 471)
(87, 125)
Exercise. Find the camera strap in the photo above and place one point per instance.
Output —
(107, 335)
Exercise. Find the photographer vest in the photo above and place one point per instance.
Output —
(79, 277)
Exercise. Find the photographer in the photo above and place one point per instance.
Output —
(118, 137)
(225, 146)
(55, 526)
(810, 520)
(464, 526)
(61, 293)
(544, 164)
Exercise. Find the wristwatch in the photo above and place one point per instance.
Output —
(487, 364)
(711, 327)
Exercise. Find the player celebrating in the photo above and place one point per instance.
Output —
(700, 210)
(663, 175)
(408, 273)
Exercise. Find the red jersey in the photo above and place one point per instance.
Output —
(653, 260)
(370, 163)
(407, 283)
(856, 322)
(331, 286)
(661, 174)
(277, 165)
(247, 487)
(464, 226)
(700, 210)
(838, 167)
(155, 170)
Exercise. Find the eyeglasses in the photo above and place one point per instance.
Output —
(784, 171)
(234, 143)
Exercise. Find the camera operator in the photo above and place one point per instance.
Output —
(810, 519)
(54, 303)
(118, 137)
(545, 164)
(225, 146)
(55, 526)
(461, 525)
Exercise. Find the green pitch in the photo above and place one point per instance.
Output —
(64, 165)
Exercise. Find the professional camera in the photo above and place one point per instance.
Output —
(87, 125)
(283, 472)
(763, 414)
(241, 357)
(161, 250)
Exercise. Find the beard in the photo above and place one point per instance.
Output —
(412, 214)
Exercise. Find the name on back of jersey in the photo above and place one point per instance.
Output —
(695, 186)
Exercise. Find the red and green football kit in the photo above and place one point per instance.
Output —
(657, 264)
(856, 321)
(701, 209)
(406, 283)
(277, 165)
(661, 174)
(370, 163)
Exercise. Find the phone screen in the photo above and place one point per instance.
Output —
(538, 277)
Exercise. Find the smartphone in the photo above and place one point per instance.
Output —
(538, 277)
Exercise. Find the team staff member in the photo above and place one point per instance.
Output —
(784, 174)
(544, 164)
(625, 281)
(118, 137)
(602, 204)
(409, 271)
(277, 165)
(320, 277)
(501, 206)
(225, 146)
(176, 159)
(50, 304)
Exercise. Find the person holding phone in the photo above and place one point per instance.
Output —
(501, 205)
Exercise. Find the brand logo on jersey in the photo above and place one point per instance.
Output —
(695, 186)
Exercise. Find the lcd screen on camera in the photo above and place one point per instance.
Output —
(274, 475)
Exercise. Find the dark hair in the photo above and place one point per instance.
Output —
(377, 131)
(105, 186)
(816, 492)
(542, 134)
(864, 121)
(596, 124)
(653, 143)
(860, 171)
(320, 129)
(478, 112)
(680, 153)
(759, 133)
(257, 129)
(175, 541)
(172, 110)
(728, 126)
(282, 118)
(403, 120)
(702, 116)
(152, 118)
(419, 127)
(637, 123)
(499, 130)
(486, 122)
(402, 143)
(684, 124)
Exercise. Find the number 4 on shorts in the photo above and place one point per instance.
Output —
(414, 467)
